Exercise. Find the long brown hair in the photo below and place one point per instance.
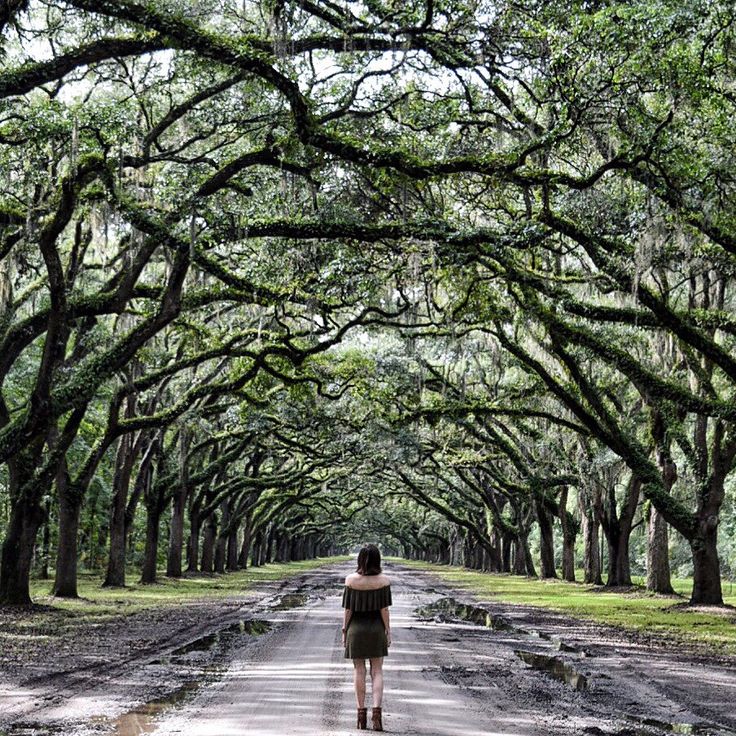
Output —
(369, 560)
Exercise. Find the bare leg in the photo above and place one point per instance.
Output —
(377, 681)
(359, 681)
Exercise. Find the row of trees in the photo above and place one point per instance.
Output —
(283, 275)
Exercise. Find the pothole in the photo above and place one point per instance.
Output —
(554, 667)
(556, 642)
(449, 609)
(290, 600)
(698, 729)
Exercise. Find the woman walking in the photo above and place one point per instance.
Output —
(366, 630)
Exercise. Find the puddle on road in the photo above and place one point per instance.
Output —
(554, 667)
(290, 600)
(142, 719)
(252, 627)
(449, 609)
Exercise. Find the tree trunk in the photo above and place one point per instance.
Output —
(17, 551)
(467, 552)
(245, 547)
(65, 582)
(618, 533)
(264, 549)
(220, 555)
(132, 505)
(150, 556)
(529, 561)
(496, 563)
(569, 533)
(115, 576)
(176, 534)
(43, 572)
(456, 548)
(591, 550)
(506, 553)
(519, 557)
(282, 548)
(208, 543)
(619, 567)
(232, 549)
(221, 543)
(546, 539)
(296, 550)
(568, 555)
(178, 507)
(195, 524)
(255, 554)
(479, 557)
(706, 565)
(658, 554)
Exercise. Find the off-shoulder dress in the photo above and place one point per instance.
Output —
(365, 637)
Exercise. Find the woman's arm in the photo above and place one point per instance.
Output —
(386, 624)
(345, 621)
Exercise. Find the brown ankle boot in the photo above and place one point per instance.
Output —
(362, 719)
(377, 719)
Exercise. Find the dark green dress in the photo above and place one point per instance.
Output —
(365, 637)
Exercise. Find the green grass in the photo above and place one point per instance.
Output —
(52, 620)
(658, 616)
(97, 604)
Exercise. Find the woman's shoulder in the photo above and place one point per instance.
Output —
(367, 582)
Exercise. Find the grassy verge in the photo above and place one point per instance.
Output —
(97, 605)
(169, 590)
(644, 612)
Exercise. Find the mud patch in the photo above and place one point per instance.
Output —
(143, 718)
(554, 667)
(449, 610)
(465, 677)
(697, 729)
(250, 627)
(33, 729)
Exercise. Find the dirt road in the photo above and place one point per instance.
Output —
(454, 670)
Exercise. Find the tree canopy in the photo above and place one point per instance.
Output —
(449, 275)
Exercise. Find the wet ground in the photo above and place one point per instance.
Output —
(272, 664)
